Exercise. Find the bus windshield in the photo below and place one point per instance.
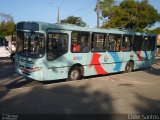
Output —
(30, 44)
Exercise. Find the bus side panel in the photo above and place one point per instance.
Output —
(120, 59)
(143, 59)
(54, 73)
(104, 63)
(59, 68)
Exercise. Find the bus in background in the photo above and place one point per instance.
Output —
(4, 47)
(56, 51)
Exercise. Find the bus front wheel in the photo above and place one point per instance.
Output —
(129, 67)
(74, 74)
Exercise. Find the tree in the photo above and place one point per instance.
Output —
(132, 15)
(74, 20)
(7, 25)
(106, 7)
(155, 31)
(7, 28)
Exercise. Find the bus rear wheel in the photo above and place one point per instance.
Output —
(74, 74)
(129, 67)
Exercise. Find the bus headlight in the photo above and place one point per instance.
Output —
(34, 69)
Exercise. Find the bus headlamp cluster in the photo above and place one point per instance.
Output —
(34, 69)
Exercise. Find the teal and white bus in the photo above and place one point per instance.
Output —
(57, 51)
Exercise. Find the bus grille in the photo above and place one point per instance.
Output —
(26, 61)
(25, 70)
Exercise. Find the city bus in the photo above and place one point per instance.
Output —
(61, 51)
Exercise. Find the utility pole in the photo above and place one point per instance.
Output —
(58, 21)
(98, 12)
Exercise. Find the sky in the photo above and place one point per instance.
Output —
(46, 10)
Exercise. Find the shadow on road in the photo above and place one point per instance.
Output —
(147, 105)
(18, 83)
(9, 79)
(7, 69)
(154, 71)
(65, 99)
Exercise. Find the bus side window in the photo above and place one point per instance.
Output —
(114, 43)
(80, 42)
(127, 43)
(137, 43)
(146, 43)
(75, 45)
(57, 45)
(118, 43)
(111, 40)
(152, 43)
(98, 42)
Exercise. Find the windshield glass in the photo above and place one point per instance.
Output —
(31, 44)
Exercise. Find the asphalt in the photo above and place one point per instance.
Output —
(125, 93)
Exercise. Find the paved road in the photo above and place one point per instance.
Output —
(136, 92)
(10, 80)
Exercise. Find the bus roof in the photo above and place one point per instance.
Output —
(45, 26)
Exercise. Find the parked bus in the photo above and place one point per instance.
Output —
(56, 51)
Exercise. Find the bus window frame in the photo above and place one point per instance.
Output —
(89, 41)
(108, 42)
(104, 44)
(153, 47)
(131, 46)
(149, 49)
(28, 31)
(47, 38)
(137, 44)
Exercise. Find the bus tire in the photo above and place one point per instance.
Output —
(129, 67)
(74, 74)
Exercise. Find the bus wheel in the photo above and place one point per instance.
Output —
(129, 67)
(74, 74)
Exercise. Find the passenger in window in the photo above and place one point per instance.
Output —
(75, 47)
(117, 45)
(125, 44)
(54, 44)
(128, 45)
(111, 45)
(49, 45)
(61, 44)
(84, 45)
(62, 41)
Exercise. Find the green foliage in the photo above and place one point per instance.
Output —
(106, 7)
(74, 20)
(7, 28)
(133, 15)
(155, 31)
